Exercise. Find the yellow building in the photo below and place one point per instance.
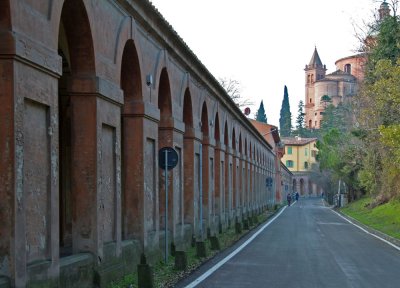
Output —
(300, 153)
(300, 156)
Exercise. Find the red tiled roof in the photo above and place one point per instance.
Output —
(297, 141)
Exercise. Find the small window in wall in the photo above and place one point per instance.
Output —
(347, 68)
(306, 165)
(289, 150)
(310, 124)
(289, 163)
(310, 100)
(306, 152)
(313, 153)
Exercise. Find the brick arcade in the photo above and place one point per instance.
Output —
(89, 91)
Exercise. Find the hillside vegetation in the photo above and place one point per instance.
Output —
(384, 218)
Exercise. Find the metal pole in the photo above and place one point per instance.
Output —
(201, 190)
(166, 206)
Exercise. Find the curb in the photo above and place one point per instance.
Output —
(371, 230)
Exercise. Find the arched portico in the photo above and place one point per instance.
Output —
(76, 118)
(132, 162)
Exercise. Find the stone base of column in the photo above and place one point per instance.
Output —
(180, 260)
(215, 243)
(246, 224)
(145, 274)
(4, 282)
(238, 228)
(201, 250)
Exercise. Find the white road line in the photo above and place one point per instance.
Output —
(361, 228)
(227, 258)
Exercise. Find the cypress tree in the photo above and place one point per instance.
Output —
(300, 119)
(285, 120)
(260, 115)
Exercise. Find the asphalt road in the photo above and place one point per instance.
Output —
(306, 246)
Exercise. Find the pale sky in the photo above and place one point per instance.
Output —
(266, 44)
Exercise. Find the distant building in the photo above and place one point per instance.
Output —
(323, 89)
(283, 177)
(299, 158)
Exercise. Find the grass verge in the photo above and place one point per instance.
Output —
(165, 275)
(384, 218)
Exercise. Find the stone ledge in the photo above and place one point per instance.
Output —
(77, 271)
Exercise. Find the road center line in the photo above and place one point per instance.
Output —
(227, 258)
(361, 228)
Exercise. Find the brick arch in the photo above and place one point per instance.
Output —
(164, 99)
(188, 158)
(131, 86)
(240, 144)
(161, 66)
(165, 139)
(187, 109)
(205, 156)
(80, 41)
(302, 187)
(5, 15)
(233, 139)
(226, 135)
(131, 82)
(77, 133)
(204, 120)
(218, 170)
(241, 173)
(127, 35)
(217, 133)
(227, 174)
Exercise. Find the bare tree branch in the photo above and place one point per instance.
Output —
(233, 89)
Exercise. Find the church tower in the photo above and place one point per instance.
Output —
(314, 71)
(384, 10)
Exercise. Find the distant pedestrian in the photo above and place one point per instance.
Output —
(289, 199)
(297, 196)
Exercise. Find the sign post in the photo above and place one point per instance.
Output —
(168, 158)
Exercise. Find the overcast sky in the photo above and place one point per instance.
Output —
(266, 44)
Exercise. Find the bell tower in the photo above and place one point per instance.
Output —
(384, 10)
(314, 71)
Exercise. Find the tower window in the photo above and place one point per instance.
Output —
(347, 68)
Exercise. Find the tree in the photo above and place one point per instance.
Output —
(377, 112)
(233, 89)
(260, 115)
(326, 100)
(385, 46)
(300, 118)
(285, 120)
